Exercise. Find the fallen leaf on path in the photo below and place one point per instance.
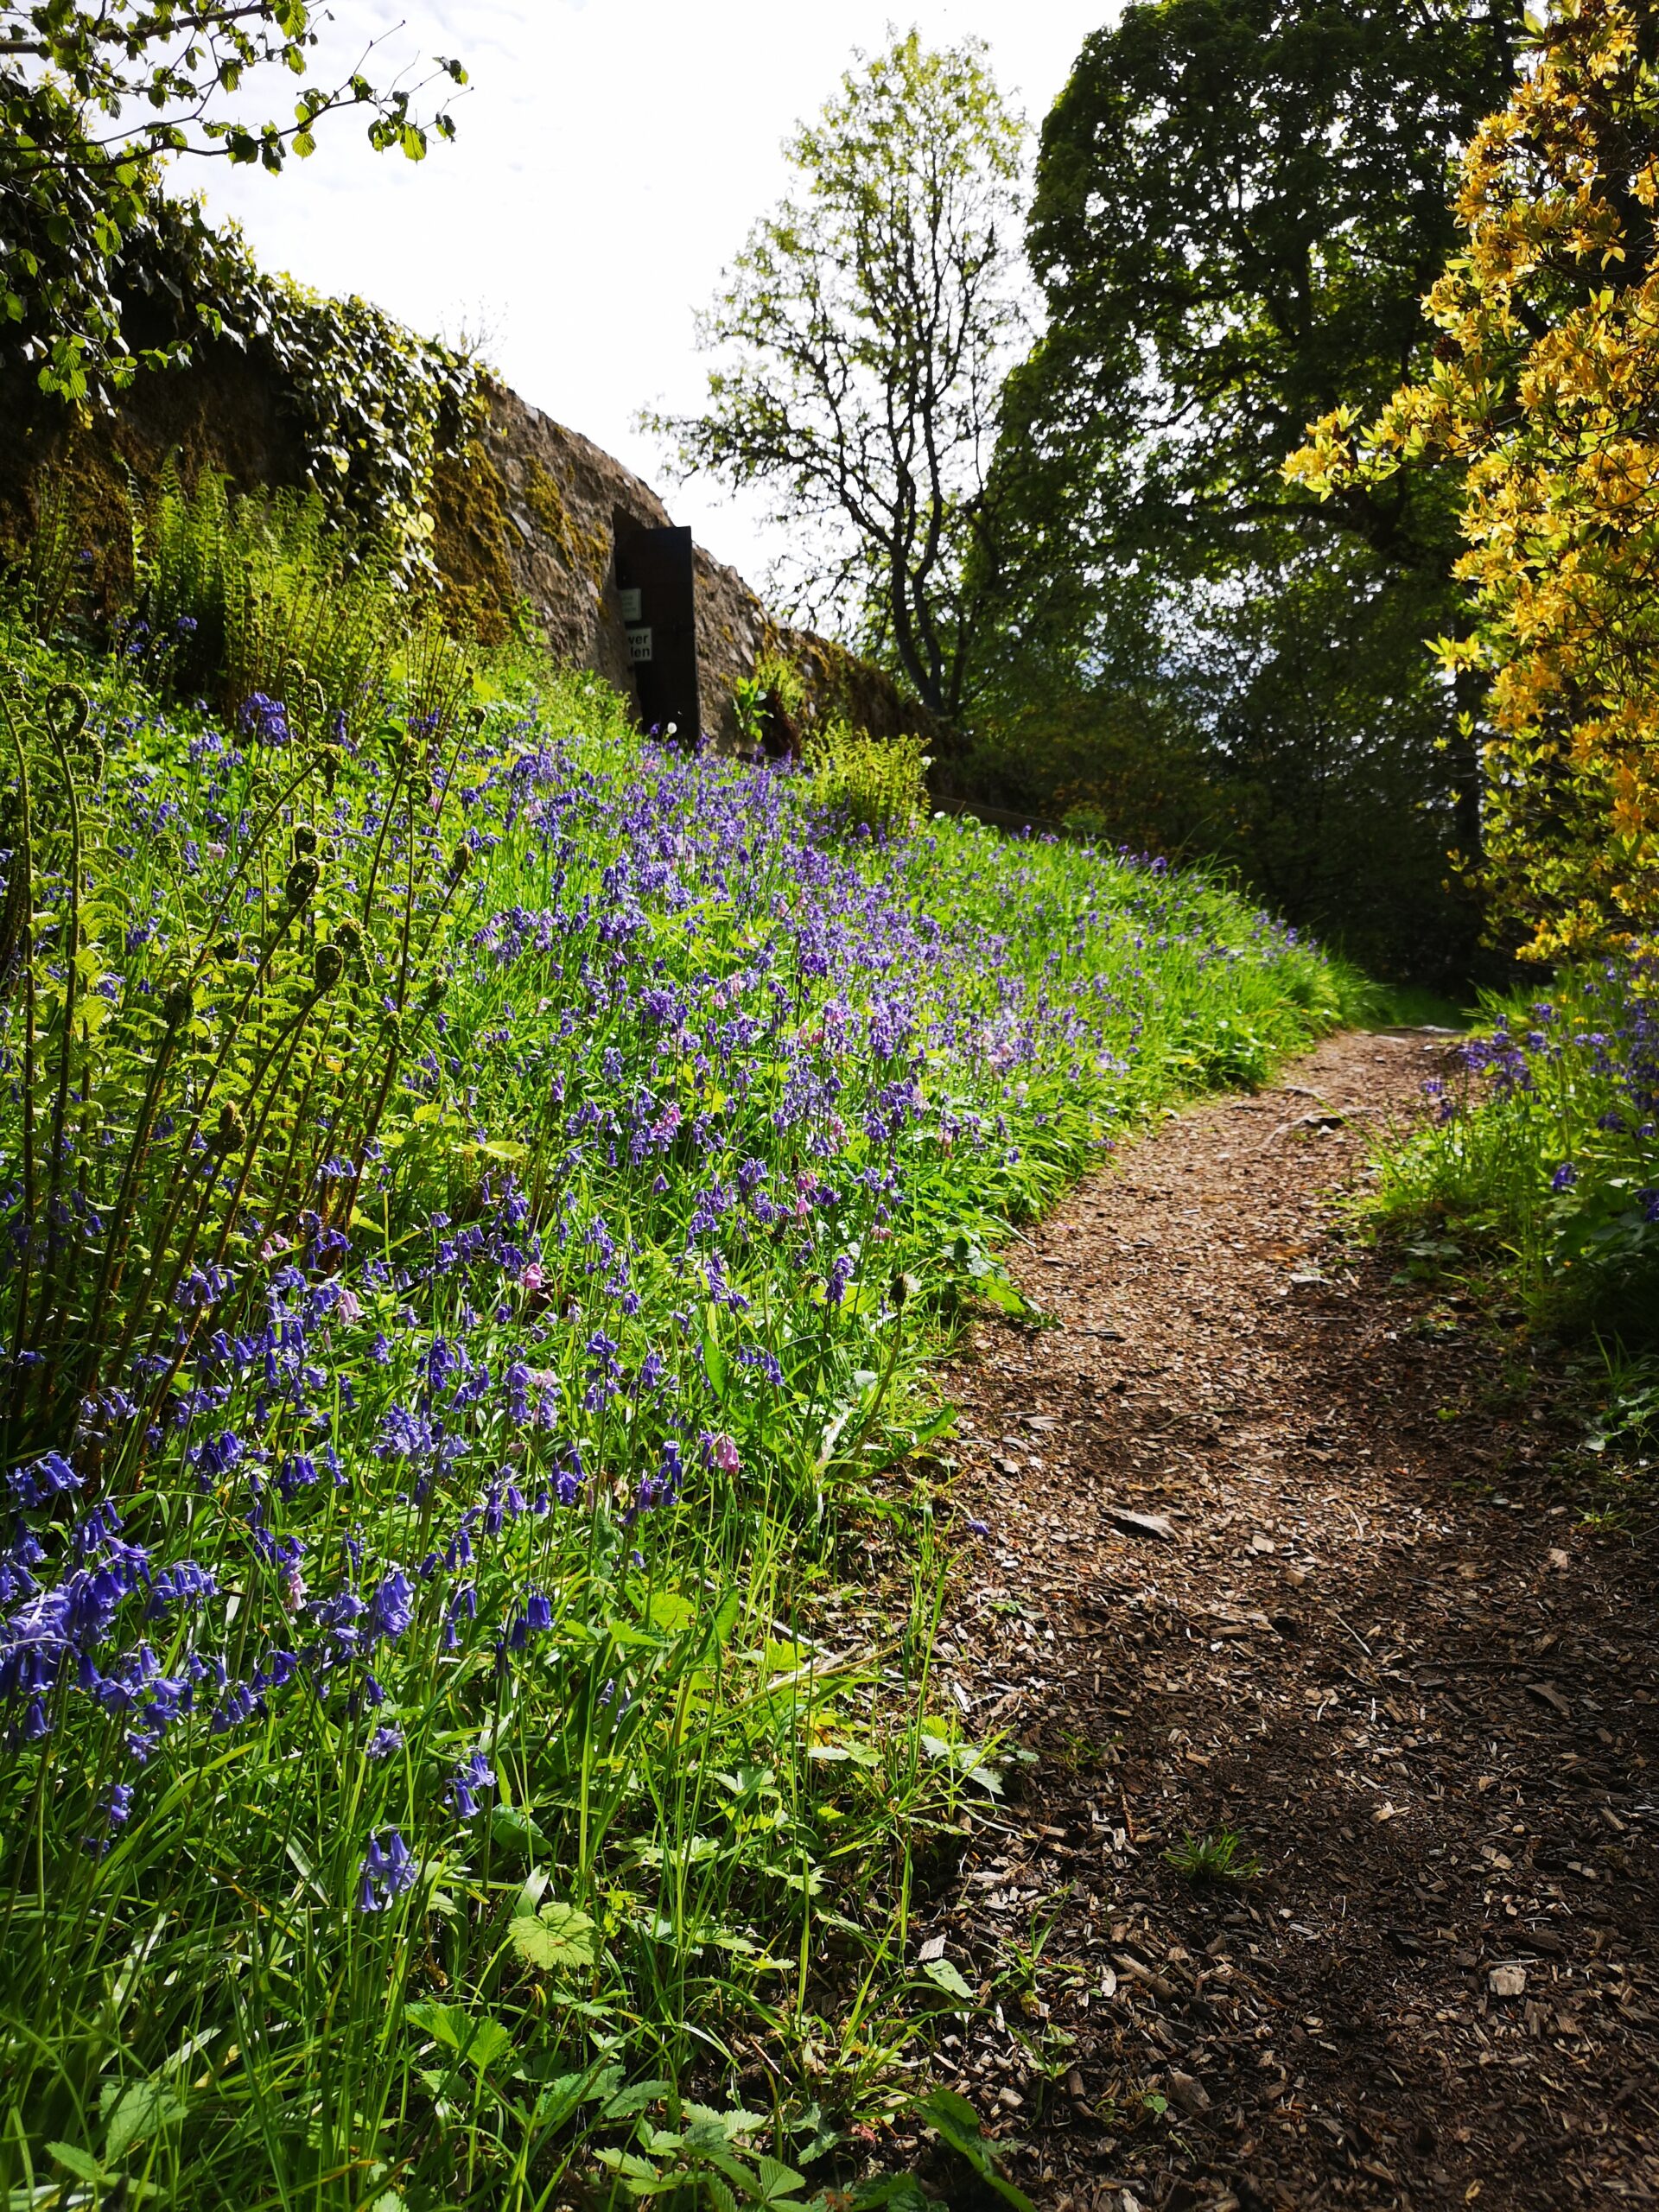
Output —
(1191, 2096)
(1140, 1524)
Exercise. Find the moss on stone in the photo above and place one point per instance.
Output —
(585, 553)
(469, 546)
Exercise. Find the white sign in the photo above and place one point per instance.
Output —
(629, 601)
(639, 645)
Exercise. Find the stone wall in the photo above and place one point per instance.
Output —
(526, 520)
(563, 499)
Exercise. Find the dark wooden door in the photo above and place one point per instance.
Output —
(656, 581)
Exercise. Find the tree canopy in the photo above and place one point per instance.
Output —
(1541, 402)
(1239, 204)
(94, 99)
(860, 345)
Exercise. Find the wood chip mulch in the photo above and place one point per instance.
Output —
(1278, 1544)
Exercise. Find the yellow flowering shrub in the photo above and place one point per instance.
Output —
(1545, 391)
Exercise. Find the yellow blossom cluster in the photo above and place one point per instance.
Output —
(1545, 392)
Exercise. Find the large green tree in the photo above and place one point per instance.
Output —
(1239, 207)
(861, 344)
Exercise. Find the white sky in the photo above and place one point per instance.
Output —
(610, 156)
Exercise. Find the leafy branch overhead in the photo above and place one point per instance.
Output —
(861, 344)
(94, 102)
(1539, 404)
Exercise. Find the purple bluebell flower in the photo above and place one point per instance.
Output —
(474, 1774)
(392, 1607)
(387, 1871)
(51, 1475)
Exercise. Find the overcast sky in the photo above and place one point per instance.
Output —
(611, 154)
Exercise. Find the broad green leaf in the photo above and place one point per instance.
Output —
(141, 2109)
(730, 2127)
(669, 1610)
(514, 1830)
(559, 1935)
(478, 2038)
(948, 1977)
(778, 2181)
(82, 2165)
(954, 2121)
(623, 2103)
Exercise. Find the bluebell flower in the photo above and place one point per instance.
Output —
(237, 1704)
(392, 1607)
(463, 1605)
(184, 1583)
(264, 719)
(474, 1774)
(386, 1740)
(49, 1477)
(387, 1870)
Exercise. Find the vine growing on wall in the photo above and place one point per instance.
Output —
(377, 406)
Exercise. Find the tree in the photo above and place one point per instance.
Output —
(862, 338)
(1541, 403)
(94, 101)
(1239, 204)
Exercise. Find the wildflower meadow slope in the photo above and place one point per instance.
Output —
(1542, 1149)
(481, 1196)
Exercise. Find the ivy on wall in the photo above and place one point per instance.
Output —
(375, 408)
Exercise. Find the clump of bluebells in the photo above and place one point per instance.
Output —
(1543, 1140)
(561, 1299)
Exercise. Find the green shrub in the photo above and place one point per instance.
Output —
(1542, 1152)
(238, 597)
(773, 678)
(877, 784)
(191, 1043)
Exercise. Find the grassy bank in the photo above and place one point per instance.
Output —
(1537, 1176)
(480, 1197)
(1542, 1151)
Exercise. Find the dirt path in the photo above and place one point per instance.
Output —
(1362, 1625)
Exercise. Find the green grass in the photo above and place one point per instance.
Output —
(1541, 1162)
(479, 1530)
(1219, 1857)
(1536, 1185)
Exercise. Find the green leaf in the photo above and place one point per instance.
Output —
(82, 2165)
(947, 1978)
(623, 2103)
(559, 1935)
(141, 2109)
(778, 2181)
(890, 2193)
(514, 1830)
(730, 2126)
(954, 2120)
(998, 1291)
(669, 1610)
(474, 2037)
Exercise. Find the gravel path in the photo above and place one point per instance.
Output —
(1274, 1545)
